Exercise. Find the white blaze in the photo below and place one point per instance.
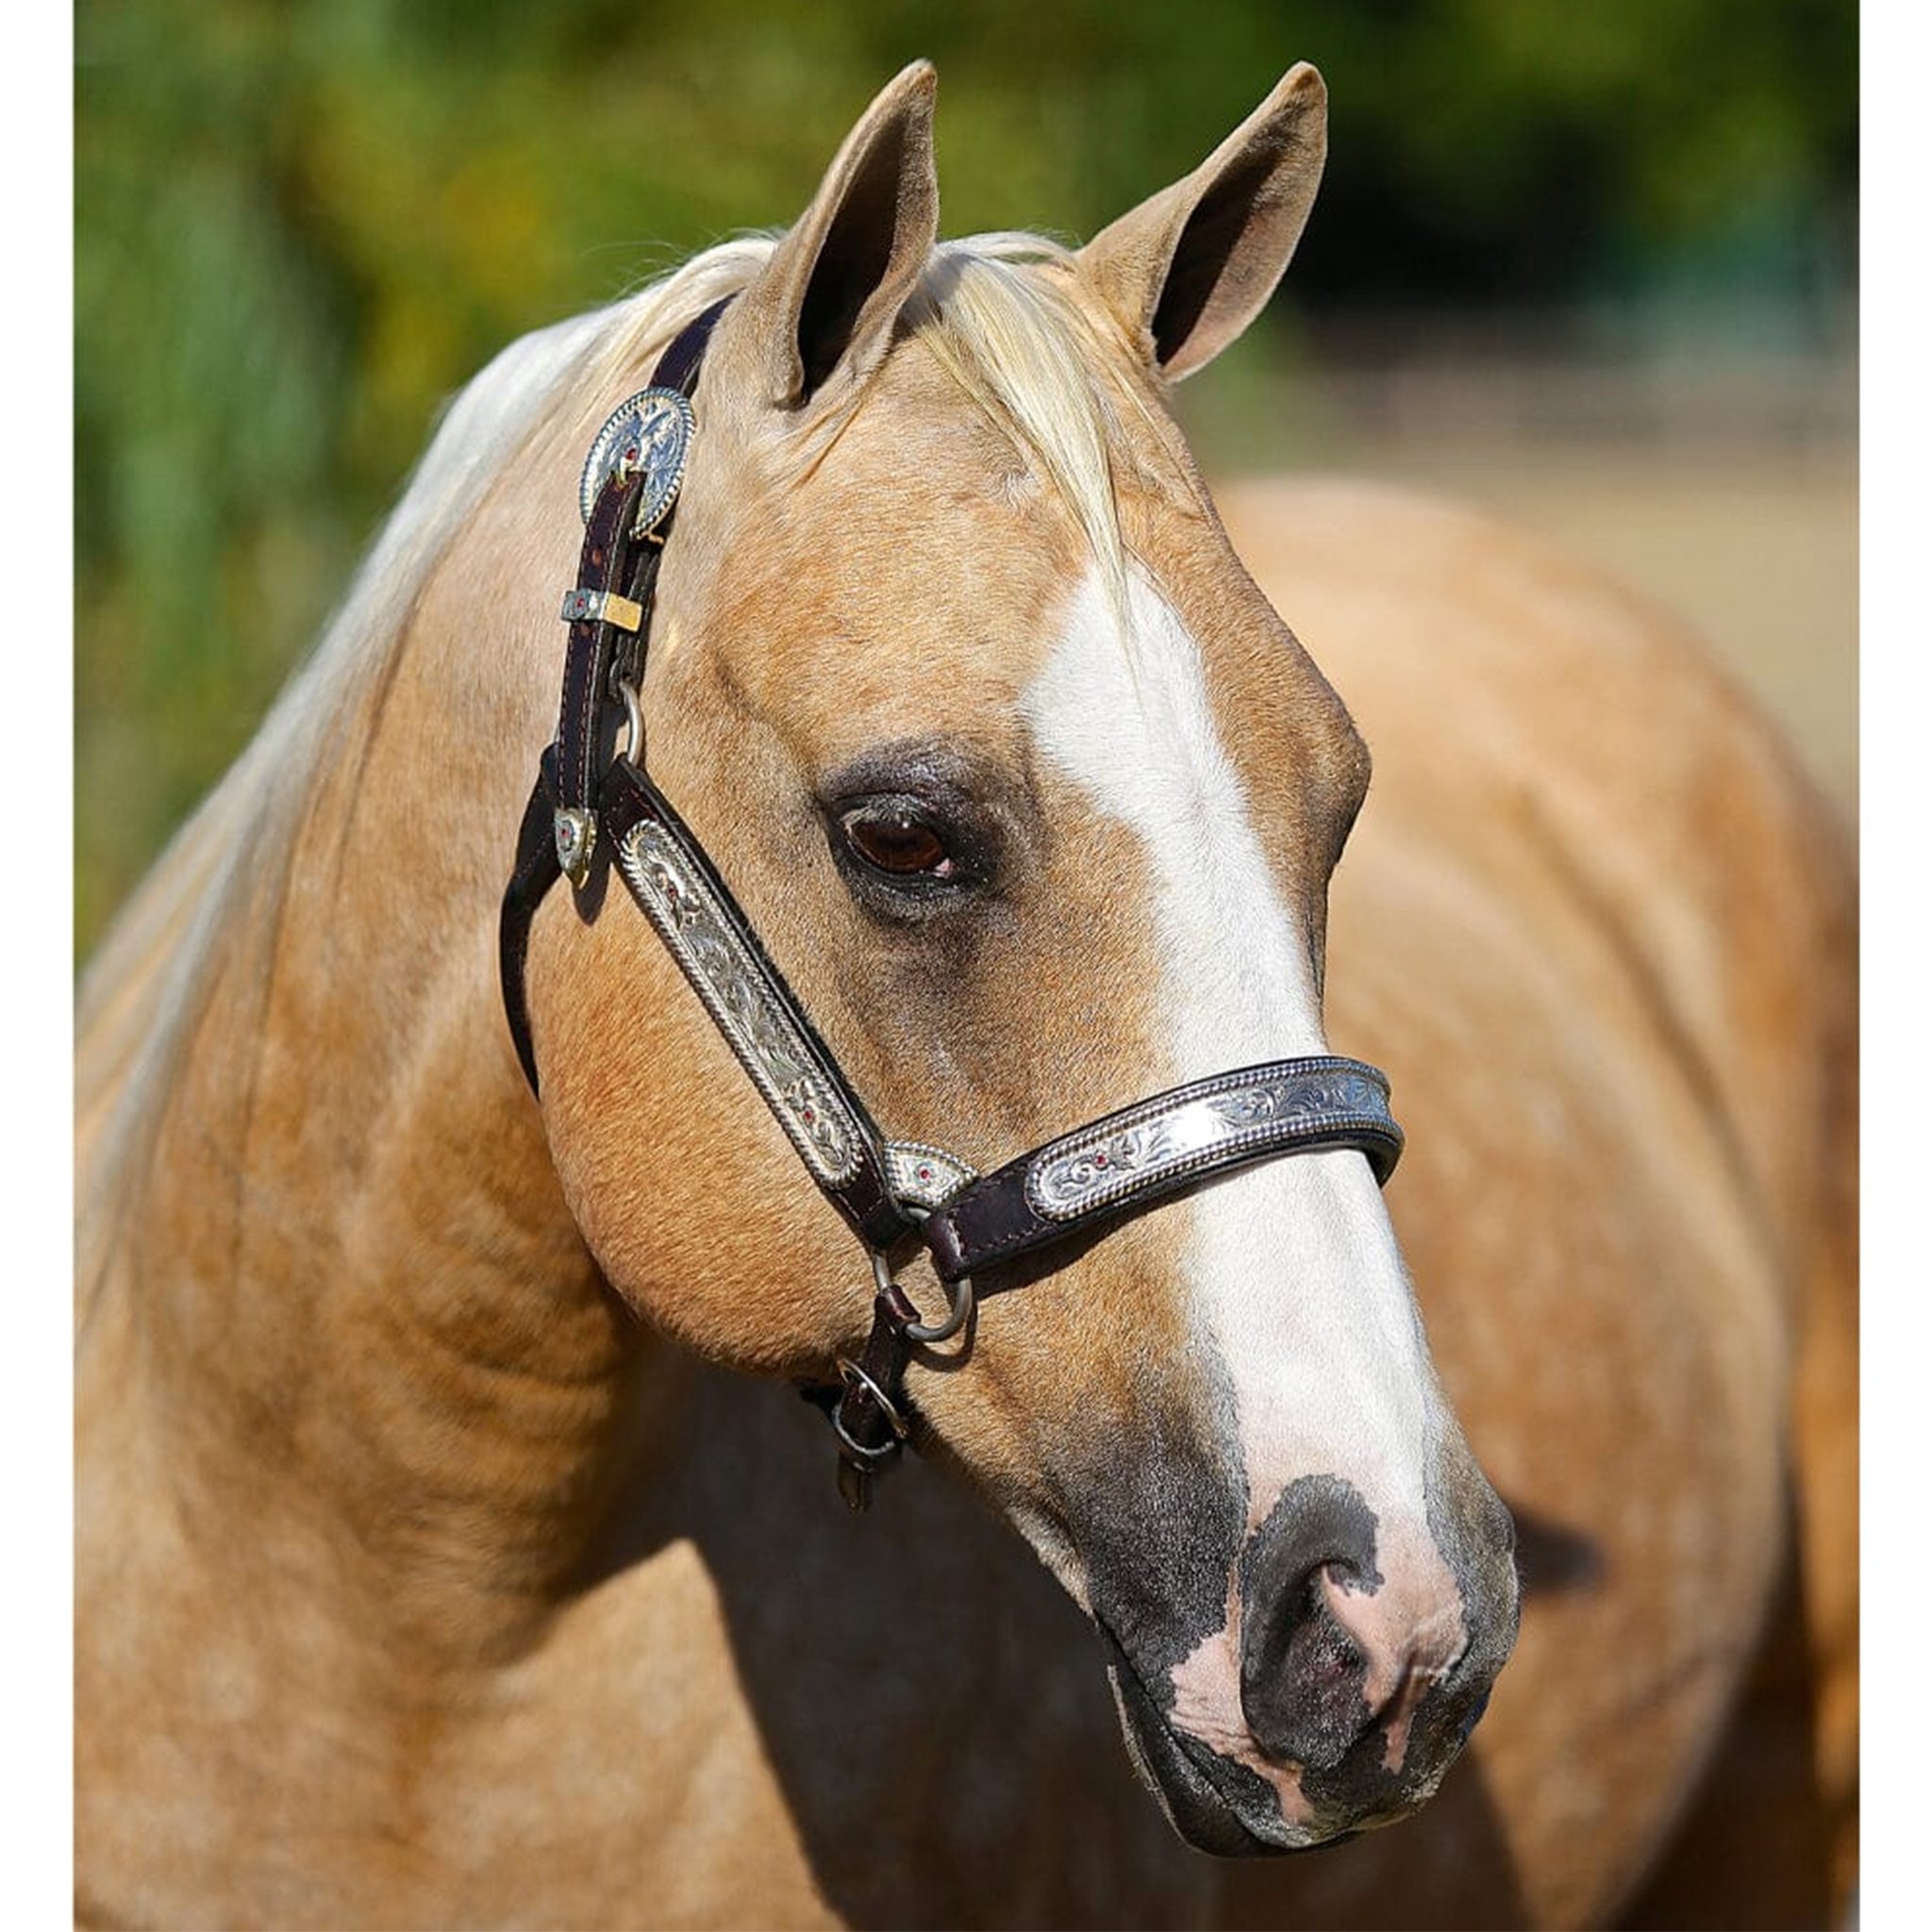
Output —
(1292, 1265)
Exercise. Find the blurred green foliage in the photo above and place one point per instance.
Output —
(303, 223)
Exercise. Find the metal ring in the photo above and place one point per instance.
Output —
(634, 717)
(858, 1453)
(958, 1306)
(855, 1376)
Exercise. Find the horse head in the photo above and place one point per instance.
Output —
(1035, 801)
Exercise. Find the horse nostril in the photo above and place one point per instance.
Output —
(1303, 1676)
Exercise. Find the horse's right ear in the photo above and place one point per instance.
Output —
(817, 317)
(1186, 272)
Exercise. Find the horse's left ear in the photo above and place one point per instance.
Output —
(1187, 271)
(820, 313)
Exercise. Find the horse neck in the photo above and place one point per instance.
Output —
(347, 1288)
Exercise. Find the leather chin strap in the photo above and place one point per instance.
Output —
(592, 808)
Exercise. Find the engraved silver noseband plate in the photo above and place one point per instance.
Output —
(1150, 1145)
(649, 434)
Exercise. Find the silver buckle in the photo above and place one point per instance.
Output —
(854, 1377)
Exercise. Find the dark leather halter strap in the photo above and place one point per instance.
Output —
(592, 810)
(1148, 1150)
(591, 713)
(533, 873)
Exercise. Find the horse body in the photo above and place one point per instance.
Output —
(421, 1582)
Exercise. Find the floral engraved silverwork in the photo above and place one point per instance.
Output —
(733, 987)
(1302, 1099)
(1108, 1168)
(650, 434)
(1147, 1145)
(924, 1176)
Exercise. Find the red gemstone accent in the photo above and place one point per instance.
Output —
(810, 1116)
(1100, 1161)
(926, 1174)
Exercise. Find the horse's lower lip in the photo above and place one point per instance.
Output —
(1201, 1812)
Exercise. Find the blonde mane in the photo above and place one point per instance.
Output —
(1012, 337)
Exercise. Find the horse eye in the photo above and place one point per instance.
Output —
(894, 841)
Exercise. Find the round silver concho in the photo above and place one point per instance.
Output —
(651, 433)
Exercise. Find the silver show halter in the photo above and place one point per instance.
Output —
(594, 801)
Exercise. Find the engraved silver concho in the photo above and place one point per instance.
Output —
(649, 434)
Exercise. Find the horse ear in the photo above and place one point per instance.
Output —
(824, 304)
(1187, 271)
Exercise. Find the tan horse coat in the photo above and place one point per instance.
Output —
(418, 1584)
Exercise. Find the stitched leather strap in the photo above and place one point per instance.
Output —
(677, 887)
(588, 715)
(1155, 1148)
(535, 871)
(589, 712)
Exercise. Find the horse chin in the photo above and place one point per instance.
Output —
(1230, 1814)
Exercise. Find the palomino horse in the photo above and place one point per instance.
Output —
(434, 1565)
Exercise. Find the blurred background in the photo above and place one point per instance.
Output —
(1591, 265)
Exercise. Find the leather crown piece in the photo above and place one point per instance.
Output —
(592, 807)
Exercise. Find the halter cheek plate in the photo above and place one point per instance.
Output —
(591, 805)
